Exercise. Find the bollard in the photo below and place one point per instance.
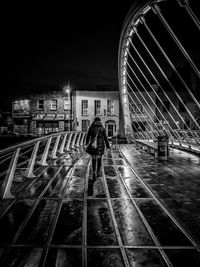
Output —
(163, 147)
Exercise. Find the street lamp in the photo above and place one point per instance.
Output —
(67, 89)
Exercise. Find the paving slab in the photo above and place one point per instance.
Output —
(139, 212)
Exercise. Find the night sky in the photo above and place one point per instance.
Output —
(50, 44)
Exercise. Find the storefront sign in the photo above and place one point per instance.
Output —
(49, 117)
(60, 117)
(38, 117)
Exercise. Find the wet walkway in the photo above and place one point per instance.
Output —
(139, 212)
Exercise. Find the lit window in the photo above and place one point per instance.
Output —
(97, 107)
(40, 105)
(53, 104)
(84, 107)
(110, 107)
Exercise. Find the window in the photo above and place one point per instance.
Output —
(181, 106)
(40, 105)
(84, 107)
(110, 107)
(166, 106)
(67, 104)
(85, 125)
(54, 104)
(97, 107)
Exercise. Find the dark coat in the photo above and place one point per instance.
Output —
(101, 137)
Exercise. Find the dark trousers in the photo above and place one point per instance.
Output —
(96, 165)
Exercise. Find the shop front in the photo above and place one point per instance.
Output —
(48, 123)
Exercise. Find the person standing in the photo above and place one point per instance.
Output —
(97, 130)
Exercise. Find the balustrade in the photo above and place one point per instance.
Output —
(34, 154)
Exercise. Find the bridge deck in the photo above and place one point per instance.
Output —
(139, 212)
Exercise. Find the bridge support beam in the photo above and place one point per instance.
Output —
(29, 172)
(7, 183)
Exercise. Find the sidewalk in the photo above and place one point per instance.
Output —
(139, 212)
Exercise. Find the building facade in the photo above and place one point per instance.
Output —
(103, 104)
(66, 111)
(44, 113)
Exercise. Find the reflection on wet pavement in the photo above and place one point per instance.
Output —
(69, 225)
(138, 212)
(105, 257)
(158, 221)
(24, 256)
(100, 230)
(64, 257)
(145, 257)
(130, 224)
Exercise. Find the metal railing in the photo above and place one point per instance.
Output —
(185, 139)
(30, 155)
(158, 69)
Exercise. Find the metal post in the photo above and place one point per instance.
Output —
(73, 141)
(68, 142)
(61, 149)
(7, 183)
(55, 148)
(29, 172)
(45, 153)
(78, 140)
(82, 139)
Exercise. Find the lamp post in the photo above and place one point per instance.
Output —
(67, 89)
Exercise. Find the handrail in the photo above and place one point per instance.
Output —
(30, 142)
(176, 142)
(41, 151)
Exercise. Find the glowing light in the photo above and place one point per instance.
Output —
(131, 32)
(125, 100)
(124, 90)
(145, 10)
(127, 42)
(124, 81)
(137, 21)
(124, 72)
(125, 53)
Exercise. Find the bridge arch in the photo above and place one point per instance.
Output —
(158, 69)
